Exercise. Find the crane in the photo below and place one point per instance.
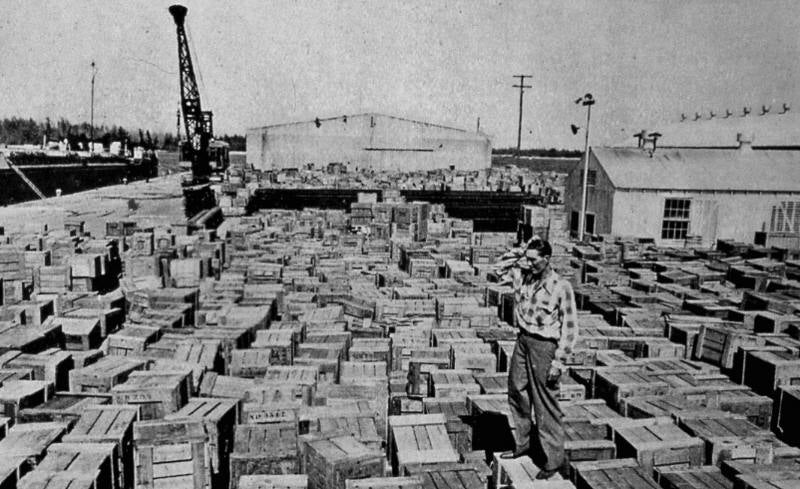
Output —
(199, 127)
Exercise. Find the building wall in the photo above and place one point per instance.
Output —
(713, 215)
(367, 141)
(599, 197)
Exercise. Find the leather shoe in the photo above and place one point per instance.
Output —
(513, 455)
(546, 474)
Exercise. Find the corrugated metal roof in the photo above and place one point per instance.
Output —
(702, 169)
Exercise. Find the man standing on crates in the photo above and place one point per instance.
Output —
(545, 313)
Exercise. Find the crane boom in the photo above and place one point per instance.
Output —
(198, 123)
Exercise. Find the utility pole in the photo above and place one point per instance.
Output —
(587, 101)
(522, 86)
(91, 117)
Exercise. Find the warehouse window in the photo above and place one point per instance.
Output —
(591, 178)
(676, 219)
(785, 218)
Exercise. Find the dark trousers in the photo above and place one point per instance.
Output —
(534, 407)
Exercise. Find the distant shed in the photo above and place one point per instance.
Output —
(679, 193)
(367, 141)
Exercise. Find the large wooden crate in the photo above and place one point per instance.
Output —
(384, 483)
(520, 473)
(132, 339)
(305, 376)
(171, 455)
(656, 441)
(94, 460)
(267, 449)
(215, 385)
(104, 374)
(52, 365)
(81, 333)
(766, 371)
(157, 393)
(219, 416)
(325, 356)
(250, 363)
(280, 344)
(23, 447)
(734, 438)
(418, 440)
(293, 481)
(355, 372)
(695, 478)
(16, 395)
(372, 350)
(64, 407)
(614, 384)
(496, 383)
(331, 462)
(363, 428)
(492, 426)
(601, 474)
(717, 344)
(73, 479)
(453, 383)
(457, 421)
(109, 424)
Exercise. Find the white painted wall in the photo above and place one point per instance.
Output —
(739, 215)
(396, 144)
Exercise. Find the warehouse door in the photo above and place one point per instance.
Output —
(704, 220)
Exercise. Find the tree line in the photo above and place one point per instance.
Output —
(18, 130)
(542, 152)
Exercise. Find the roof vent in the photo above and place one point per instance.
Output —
(745, 142)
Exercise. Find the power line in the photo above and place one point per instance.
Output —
(522, 86)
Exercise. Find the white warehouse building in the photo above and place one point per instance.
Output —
(367, 141)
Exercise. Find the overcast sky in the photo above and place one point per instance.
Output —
(449, 62)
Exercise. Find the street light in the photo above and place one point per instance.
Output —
(587, 101)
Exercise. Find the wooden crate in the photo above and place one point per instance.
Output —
(298, 375)
(109, 424)
(279, 343)
(453, 383)
(354, 372)
(266, 449)
(215, 385)
(16, 395)
(104, 374)
(418, 440)
(656, 441)
(51, 365)
(617, 383)
(157, 393)
(331, 462)
(59, 480)
(171, 454)
(766, 371)
(292, 481)
(372, 350)
(520, 473)
(717, 344)
(63, 407)
(250, 363)
(457, 421)
(734, 438)
(94, 460)
(219, 416)
(695, 477)
(570, 390)
(602, 474)
(363, 428)
(384, 483)
(419, 371)
(132, 339)
(587, 440)
(496, 383)
(492, 427)
(23, 447)
(325, 356)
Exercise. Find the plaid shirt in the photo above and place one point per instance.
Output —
(545, 307)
